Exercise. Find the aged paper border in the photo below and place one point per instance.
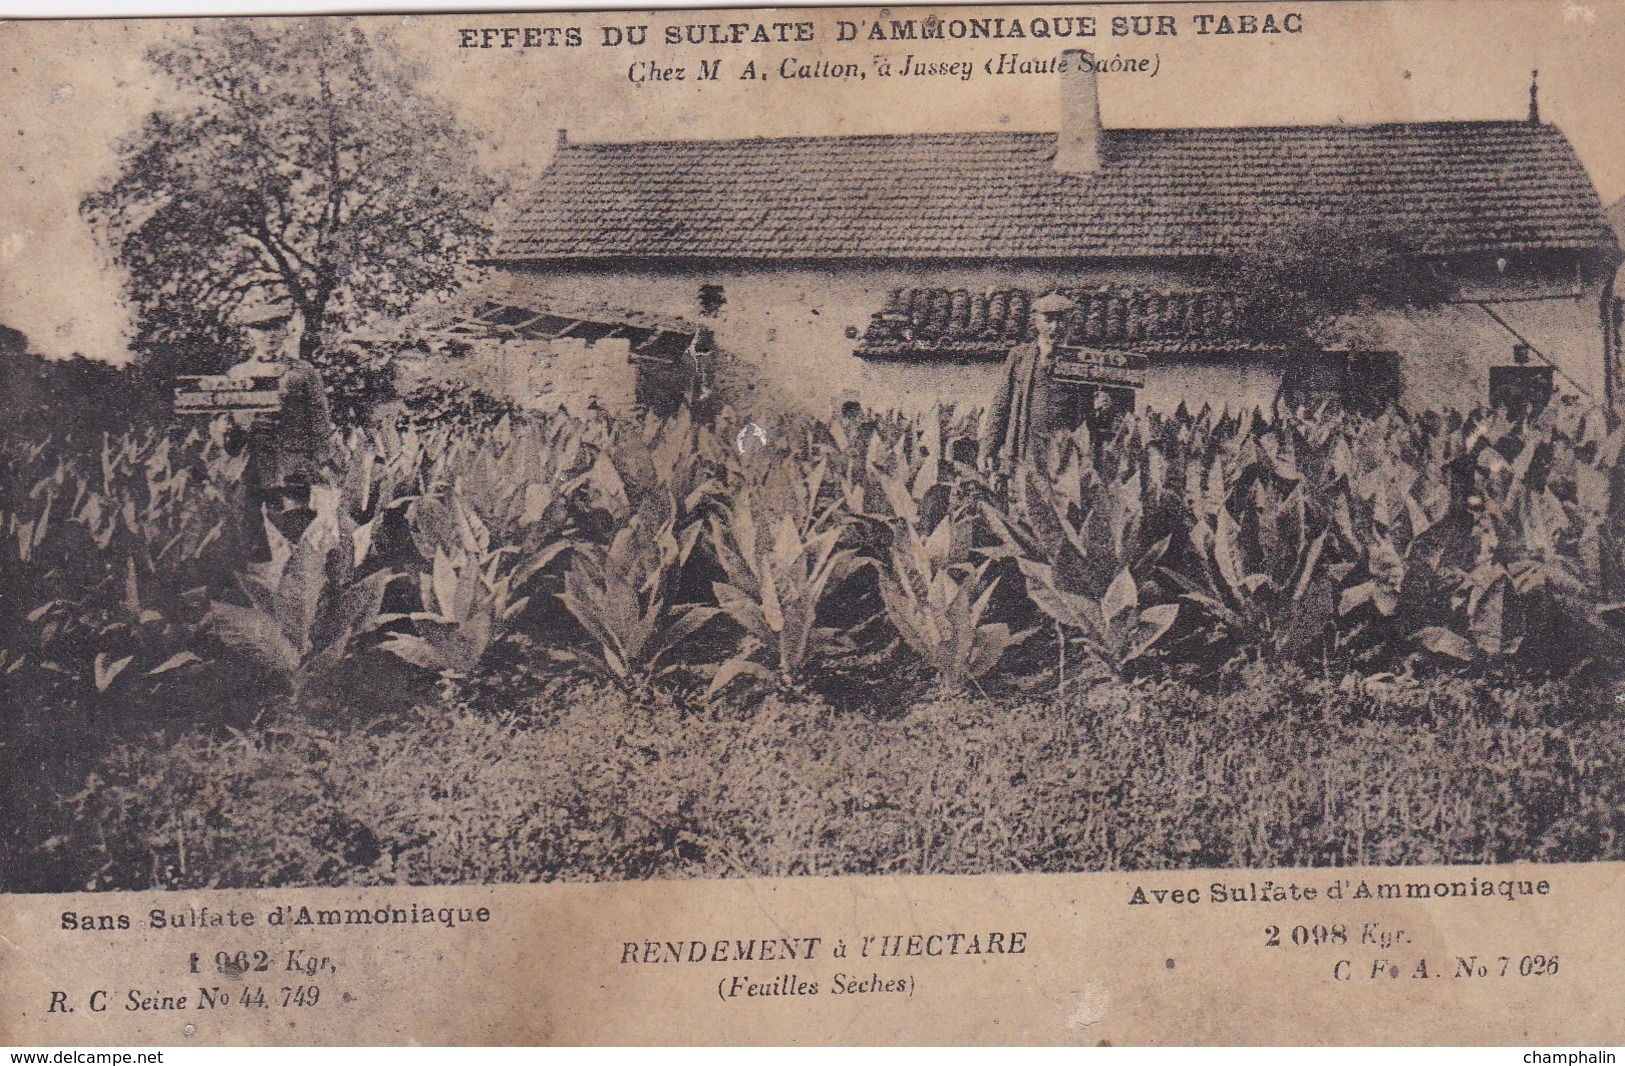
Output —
(549, 965)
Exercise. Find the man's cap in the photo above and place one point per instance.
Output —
(1052, 304)
(260, 310)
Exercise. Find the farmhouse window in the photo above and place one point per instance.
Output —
(712, 300)
(1365, 381)
(1373, 380)
(1520, 390)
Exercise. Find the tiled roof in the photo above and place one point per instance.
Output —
(1447, 186)
(960, 324)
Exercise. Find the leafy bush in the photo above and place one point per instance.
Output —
(77, 396)
(110, 553)
(1276, 599)
(467, 603)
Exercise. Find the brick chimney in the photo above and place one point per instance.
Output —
(1077, 142)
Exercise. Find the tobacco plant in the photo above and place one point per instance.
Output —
(469, 595)
(779, 552)
(109, 554)
(937, 600)
(641, 463)
(622, 596)
(467, 607)
(1536, 581)
(1269, 589)
(520, 479)
(1078, 540)
(308, 607)
(447, 525)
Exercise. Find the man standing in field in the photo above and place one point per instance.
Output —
(291, 449)
(1030, 404)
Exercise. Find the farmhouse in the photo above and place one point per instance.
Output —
(897, 269)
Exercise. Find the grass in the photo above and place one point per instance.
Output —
(584, 782)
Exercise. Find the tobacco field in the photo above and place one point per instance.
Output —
(518, 649)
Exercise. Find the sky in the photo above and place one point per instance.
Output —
(70, 91)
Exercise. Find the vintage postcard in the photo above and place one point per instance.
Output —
(1082, 524)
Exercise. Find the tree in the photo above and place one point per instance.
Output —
(302, 159)
(1302, 281)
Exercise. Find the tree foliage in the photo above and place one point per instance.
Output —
(1306, 277)
(298, 158)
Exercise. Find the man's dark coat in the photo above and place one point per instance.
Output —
(1029, 407)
